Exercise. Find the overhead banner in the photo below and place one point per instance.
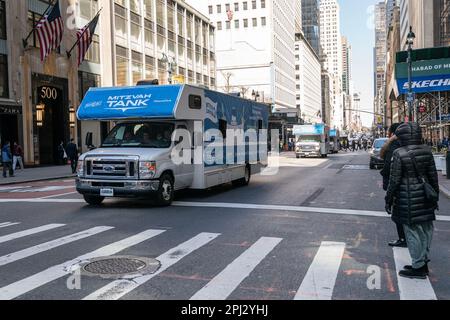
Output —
(426, 76)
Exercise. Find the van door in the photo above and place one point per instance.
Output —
(185, 172)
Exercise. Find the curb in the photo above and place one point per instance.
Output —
(37, 180)
(444, 190)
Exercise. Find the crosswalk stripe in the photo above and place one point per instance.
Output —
(8, 224)
(320, 279)
(28, 232)
(411, 289)
(25, 285)
(25, 253)
(117, 289)
(222, 285)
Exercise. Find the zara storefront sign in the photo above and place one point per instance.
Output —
(11, 110)
(427, 76)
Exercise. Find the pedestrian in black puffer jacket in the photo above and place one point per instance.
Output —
(406, 196)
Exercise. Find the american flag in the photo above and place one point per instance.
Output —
(85, 36)
(50, 31)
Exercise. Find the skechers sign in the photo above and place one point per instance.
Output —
(427, 76)
(129, 102)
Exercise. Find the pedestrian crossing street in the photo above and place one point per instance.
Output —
(318, 283)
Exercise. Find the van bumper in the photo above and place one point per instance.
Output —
(121, 188)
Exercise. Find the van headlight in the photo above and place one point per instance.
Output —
(80, 168)
(317, 148)
(147, 169)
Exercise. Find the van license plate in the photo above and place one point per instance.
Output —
(107, 192)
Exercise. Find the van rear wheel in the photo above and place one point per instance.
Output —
(245, 180)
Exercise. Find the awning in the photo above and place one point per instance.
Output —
(130, 103)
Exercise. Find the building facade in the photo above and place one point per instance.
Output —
(308, 81)
(379, 59)
(330, 39)
(134, 40)
(311, 23)
(255, 49)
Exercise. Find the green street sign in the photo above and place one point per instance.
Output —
(423, 68)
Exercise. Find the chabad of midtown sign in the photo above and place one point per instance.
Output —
(427, 76)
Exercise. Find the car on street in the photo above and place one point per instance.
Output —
(375, 159)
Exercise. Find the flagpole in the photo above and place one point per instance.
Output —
(25, 41)
(81, 36)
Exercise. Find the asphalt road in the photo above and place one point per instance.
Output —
(316, 229)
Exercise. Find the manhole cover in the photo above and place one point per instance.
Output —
(119, 266)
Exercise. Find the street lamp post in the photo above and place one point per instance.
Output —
(410, 99)
(171, 64)
(255, 95)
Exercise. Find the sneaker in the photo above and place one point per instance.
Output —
(424, 267)
(414, 273)
(399, 243)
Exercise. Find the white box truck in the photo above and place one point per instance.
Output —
(168, 138)
(311, 140)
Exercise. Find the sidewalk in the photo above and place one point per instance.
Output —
(444, 184)
(38, 174)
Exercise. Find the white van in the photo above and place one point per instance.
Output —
(157, 127)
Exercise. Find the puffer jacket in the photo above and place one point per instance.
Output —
(405, 192)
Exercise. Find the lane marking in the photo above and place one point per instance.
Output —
(59, 195)
(46, 189)
(348, 212)
(320, 279)
(222, 285)
(8, 224)
(28, 232)
(117, 289)
(37, 280)
(411, 289)
(25, 253)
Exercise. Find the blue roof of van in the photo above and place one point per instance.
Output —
(130, 102)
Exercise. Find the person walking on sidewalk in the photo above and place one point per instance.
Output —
(17, 156)
(386, 154)
(72, 154)
(412, 196)
(7, 160)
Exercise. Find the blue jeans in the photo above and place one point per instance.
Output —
(7, 166)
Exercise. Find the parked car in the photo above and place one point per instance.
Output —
(375, 160)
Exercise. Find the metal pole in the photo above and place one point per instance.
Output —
(410, 102)
(441, 132)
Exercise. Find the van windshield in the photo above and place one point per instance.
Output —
(140, 135)
(309, 139)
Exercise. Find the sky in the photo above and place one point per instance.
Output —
(357, 24)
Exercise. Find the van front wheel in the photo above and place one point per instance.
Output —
(93, 200)
(165, 193)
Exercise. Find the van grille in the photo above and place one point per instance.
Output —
(112, 168)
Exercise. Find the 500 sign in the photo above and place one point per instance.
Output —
(49, 93)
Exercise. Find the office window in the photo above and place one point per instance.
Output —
(245, 23)
(2, 20)
(254, 4)
(244, 5)
(219, 8)
(219, 25)
(121, 21)
(136, 66)
(135, 6)
(4, 85)
(135, 28)
(263, 4)
(236, 6)
(236, 24)
(122, 60)
(148, 9)
(227, 23)
(149, 34)
(93, 54)
(255, 22)
(150, 73)
(227, 7)
(263, 21)
(210, 9)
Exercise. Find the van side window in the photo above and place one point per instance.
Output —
(195, 102)
(223, 128)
